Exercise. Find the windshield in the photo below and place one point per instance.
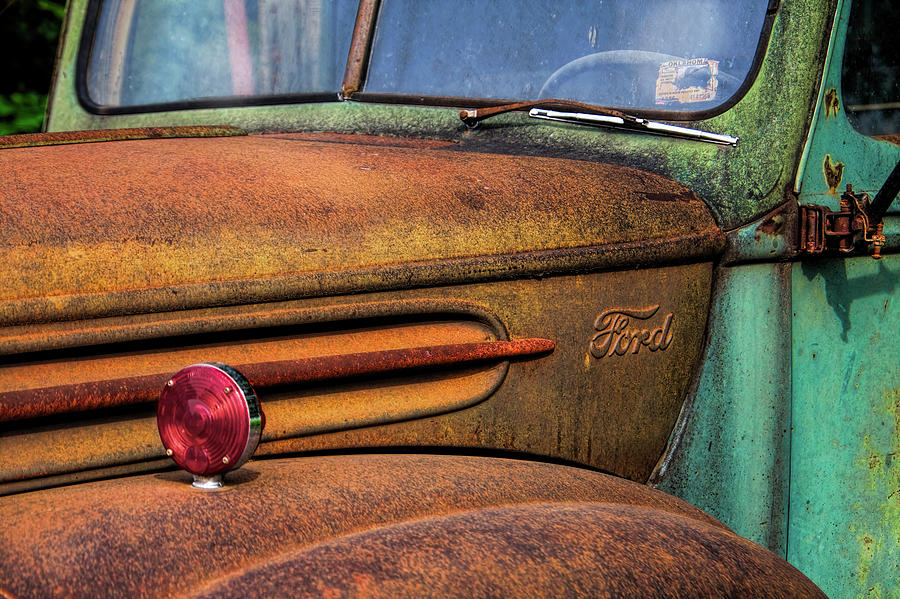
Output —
(160, 51)
(687, 55)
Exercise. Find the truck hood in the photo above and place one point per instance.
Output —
(154, 224)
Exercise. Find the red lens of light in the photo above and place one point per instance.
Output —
(209, 419)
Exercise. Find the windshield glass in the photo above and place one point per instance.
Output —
(163, 51)
(871, 85)
(671, 55)
(653, 54)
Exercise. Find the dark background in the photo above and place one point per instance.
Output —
(29, 32)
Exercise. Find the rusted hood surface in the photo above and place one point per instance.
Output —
(121, 216)
(379, 525)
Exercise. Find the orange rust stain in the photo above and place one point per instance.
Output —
(80, 137)
(832, 103)
(834, 172)
(152, 535)
(134, 215)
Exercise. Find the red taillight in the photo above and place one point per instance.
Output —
(209, 419)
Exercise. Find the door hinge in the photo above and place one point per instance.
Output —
(845, 230)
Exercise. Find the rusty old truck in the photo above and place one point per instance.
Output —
(478, 299)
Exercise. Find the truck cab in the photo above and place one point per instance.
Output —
(469, 299)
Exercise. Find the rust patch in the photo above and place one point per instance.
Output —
(103, 229)
(154, 535)
(893, 138)
(588, 549)
(82, 137)
(834, 171)
(32, 403)
(773, 225)
(360, 47)
(551, 407)
(832, 103)
(367, 140)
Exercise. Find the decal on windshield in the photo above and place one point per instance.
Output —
(687, 81)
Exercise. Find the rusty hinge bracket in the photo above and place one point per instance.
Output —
(848, 229)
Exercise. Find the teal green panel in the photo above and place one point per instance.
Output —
(729, 455)
(866, 161)
(845, 463)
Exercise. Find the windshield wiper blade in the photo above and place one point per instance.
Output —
(595, 116)
(632, 123)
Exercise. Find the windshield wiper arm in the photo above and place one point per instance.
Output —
(473, 116)
(632, 123)
(595, 116)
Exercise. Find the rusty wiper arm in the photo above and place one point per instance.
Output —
(473, 116)
(632, 123)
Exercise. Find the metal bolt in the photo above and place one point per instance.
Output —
(169, 452)
(225, 460)
(169, 383)
(227, 390)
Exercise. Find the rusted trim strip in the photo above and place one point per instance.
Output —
(650, 253)
(360, 47)
(66, 335)
(82, 137)
(81, 397)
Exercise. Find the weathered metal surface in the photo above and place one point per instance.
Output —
(93, 395)
(845, 475)
(265, 318)
(271, 511)
(369, 140)
(772, 237)
(845, 445)
(232, 345)
(289, 372)
(613, 412)
(82, 137)
(401, 276)
(865, 161)
(740, 184)
(730, 452)
(544, 550)
(172, 224)
(360, 47)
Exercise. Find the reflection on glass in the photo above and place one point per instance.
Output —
(675, 55)
(871, 69)
(157, 51)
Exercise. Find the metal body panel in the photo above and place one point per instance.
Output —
(378, 525)
(845, 445)
(845, 478)
(613, 412)
(739, 183)
(730, 453)
(153, 225)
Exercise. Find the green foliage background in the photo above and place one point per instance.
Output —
(29, 31)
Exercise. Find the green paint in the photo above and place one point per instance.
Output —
(844, 530)
(867, 161)
(845, 478)
(733, 456)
